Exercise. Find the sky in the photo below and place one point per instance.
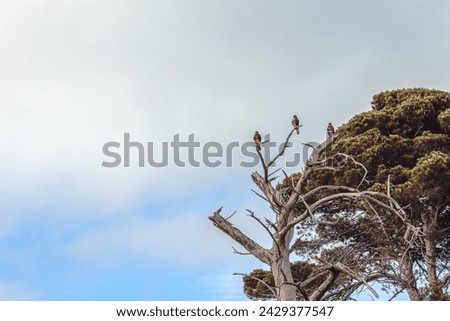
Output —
(77, 74)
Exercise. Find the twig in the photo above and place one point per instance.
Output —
(259, 280)
(264, 198)
(279, 169)
(252, 215)
(379, 218)
(239, 252)
(283, 149)
(228, 218)
(396, 293)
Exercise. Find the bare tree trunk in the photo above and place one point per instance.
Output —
(282, 275)
(410, 280)
(280, 263)
(430, 231)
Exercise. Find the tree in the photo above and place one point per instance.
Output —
(404, 144)
(405, 139)
(327, 273)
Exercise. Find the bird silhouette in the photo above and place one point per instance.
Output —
(296, 124)
(257, 140)
(330, 130)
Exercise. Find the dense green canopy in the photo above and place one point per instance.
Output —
(404, 145)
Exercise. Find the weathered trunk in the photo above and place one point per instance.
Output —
(430, 229)
(282, 275)
(430, 256)
(280, 263)
(410, 280)
(430, 233)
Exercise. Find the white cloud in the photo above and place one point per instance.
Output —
(185, 239)
(77, 74)
(73, 86)
(81, 73)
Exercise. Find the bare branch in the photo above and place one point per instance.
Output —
(299, 288)
(264, 165)
(347, 291)
(363, 179)
(271, 224)
(283, 149)
(239, 252)
(330, 223)
(277, 170)
(314, 207)
(254, 248)
(317, 151)
(329, 188)
(379, 218)
(259, 280)
(347, 270)
(228, 218)
(264, 198)
(446, 281)
(269, 191)
(326, 284)
(252, 215)
(295, 245)
(396, 293)
(319, 273)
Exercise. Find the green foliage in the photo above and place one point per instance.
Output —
(404, 143)
(256, 285)
(444, 120)
(406, 137)
(431, 178)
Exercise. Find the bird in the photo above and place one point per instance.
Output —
(257, 140)
(330, 130)
(296, 124)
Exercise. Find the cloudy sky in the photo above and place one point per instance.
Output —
(77, 74)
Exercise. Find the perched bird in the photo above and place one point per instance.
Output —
(296, 123)
(257, 140)
(330, 130)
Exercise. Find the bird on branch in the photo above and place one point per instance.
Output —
(330, 130)
(296, 124)
(257, 140)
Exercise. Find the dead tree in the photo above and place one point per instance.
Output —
(288, 216)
